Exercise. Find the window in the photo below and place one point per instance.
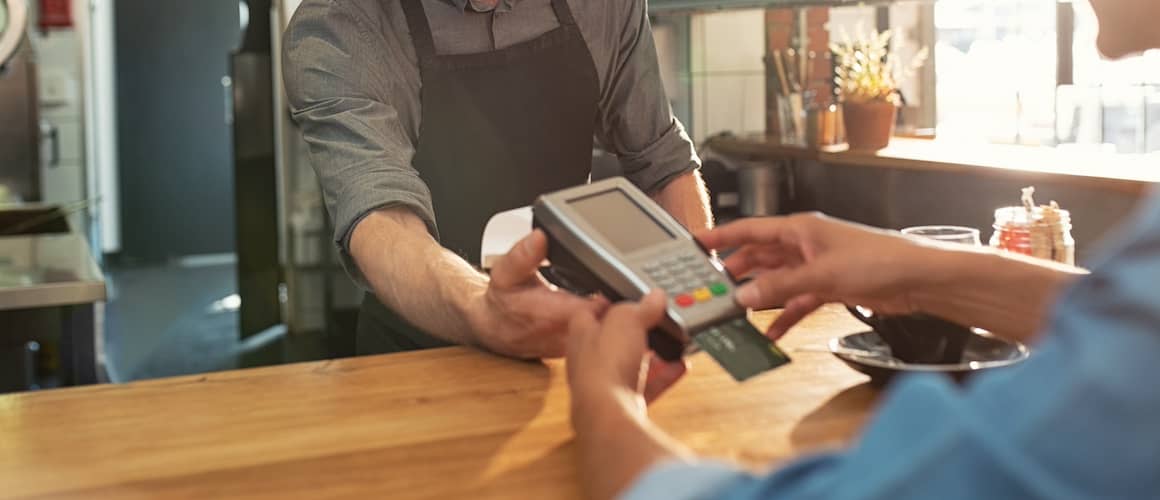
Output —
(995, 67)
(1000, 78)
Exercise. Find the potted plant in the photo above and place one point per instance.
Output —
(868, 75)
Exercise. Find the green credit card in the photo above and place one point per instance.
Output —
(740, 349)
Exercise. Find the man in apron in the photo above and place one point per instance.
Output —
(426, 117)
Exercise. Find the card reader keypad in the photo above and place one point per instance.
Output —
(688, 278)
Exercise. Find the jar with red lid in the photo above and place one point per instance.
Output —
(1043, 232)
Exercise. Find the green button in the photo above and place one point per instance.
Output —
(718, 289)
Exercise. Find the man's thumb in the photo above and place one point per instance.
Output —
(521, 262)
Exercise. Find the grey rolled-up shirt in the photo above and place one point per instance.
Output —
(352, 81)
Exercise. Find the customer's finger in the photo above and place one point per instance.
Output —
(774, 288)
(625, 326)
(521, 264)
(758, 257)
(747, 231)
(796, 309)
(642, 315)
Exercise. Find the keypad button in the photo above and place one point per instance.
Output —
(685, 300)
(719, 289)
(702, 294)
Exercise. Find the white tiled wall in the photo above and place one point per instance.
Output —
(727, 73)
(59, 67)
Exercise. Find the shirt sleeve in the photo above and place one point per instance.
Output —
(635, 121)
(683, 480)
(346, 99)
(1076, 420)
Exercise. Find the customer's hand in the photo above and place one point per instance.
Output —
(804, 261)
(609, 360)
(521, 314)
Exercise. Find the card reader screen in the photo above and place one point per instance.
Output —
(620, 220)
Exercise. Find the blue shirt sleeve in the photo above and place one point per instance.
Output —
(1079, 419)
(700, 481)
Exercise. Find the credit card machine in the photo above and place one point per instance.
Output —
(610, 237)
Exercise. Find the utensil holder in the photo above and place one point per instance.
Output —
(791, 116)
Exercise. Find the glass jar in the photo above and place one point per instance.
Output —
(1043, 232)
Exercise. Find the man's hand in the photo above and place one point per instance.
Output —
(522, 315)
(609, 360)
(805, 261)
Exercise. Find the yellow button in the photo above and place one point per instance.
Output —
(702, 294)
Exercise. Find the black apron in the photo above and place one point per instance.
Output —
(498, 129)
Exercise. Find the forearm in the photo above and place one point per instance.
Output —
(1002, 293)
(413, 275)
(687, 200)
(617, 443)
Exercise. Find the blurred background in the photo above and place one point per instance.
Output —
(155, 133)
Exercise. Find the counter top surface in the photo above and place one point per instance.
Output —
(1131, 173)
(445, 423)
(48, 270)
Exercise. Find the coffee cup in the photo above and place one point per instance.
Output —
(918, 338)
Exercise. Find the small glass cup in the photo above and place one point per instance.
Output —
(946, 234)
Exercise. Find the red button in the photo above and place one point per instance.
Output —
(685, 300)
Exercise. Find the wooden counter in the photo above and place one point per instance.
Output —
(1132, 174)
(446, 423)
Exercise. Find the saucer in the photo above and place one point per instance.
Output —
(867, 353)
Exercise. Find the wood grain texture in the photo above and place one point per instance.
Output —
(443, 423)
(1130, 174)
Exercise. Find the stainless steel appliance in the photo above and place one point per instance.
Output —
(20, 128)
(746, 186)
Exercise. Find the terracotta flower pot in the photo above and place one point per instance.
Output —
(869, 124)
